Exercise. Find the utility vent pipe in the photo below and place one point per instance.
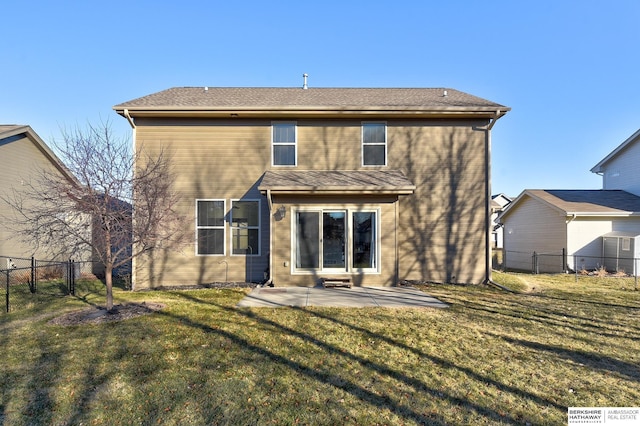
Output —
(304, 83)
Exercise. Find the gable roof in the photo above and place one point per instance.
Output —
(599, 168)
(262, 100)
(336, 182)
(11, 132)
(597, 202)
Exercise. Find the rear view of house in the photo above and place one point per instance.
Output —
(300, 185)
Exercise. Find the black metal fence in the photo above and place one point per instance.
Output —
(28, 280)
(561, 262)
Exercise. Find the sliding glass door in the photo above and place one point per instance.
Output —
(336, 241)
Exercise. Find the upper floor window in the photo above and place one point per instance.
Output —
(283, 138)
(374, 144)
(210, 226)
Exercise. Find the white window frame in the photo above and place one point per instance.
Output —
(349, 255)
(362, 144)
(377, 248)
(259, 227)
(223, 227)
(274, 124)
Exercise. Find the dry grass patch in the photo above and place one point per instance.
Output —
(492, 358)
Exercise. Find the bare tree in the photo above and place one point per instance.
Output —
(120, 205)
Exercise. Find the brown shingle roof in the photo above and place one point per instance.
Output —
(589, 202)
(338, 182)
(215, 98)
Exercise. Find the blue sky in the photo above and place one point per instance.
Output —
(568, 69)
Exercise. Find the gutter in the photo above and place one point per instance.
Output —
(126, 115)
(343, 112)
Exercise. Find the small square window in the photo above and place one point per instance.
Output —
(626, 244)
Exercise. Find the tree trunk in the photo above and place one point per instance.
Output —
(108, 277)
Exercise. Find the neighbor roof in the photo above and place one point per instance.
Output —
(336, 182)
(597, 202)
(264, 99)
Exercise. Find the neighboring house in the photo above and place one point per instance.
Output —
(619, 169)
(120, 237)
(297, 185)
(22, 155)
(498, 203)
(565, 228)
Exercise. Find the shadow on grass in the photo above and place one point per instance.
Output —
(365, 395)
(591, 360)
(552, 316)
(375, 400)
(568, 327)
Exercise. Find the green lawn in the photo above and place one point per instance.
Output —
(492, 358)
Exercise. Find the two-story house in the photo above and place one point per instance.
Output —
(296, 185)
(619, 169)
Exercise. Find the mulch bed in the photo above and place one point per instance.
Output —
(99, 315)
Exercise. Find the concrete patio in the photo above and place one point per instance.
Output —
(355, 297)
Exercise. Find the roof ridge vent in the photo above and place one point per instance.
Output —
(304, 81)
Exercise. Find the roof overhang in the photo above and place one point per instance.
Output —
(312, 112)
(571, 214)
(312, 182)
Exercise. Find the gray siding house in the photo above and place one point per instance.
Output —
(565, 227)
(619, 169)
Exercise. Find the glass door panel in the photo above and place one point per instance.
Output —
(308, 240)
(333, 240)
(364, 240)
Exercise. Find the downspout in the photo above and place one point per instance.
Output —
(487, 206)
(133, 142)
(565, 251)
(396, 278)
(129, 118)
(269, 281)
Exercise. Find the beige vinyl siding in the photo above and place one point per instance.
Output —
(211, 160)
(21, 162)
(533, 226)
(442, 225)
(441, 229)
(622, 171)
(329, 145)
